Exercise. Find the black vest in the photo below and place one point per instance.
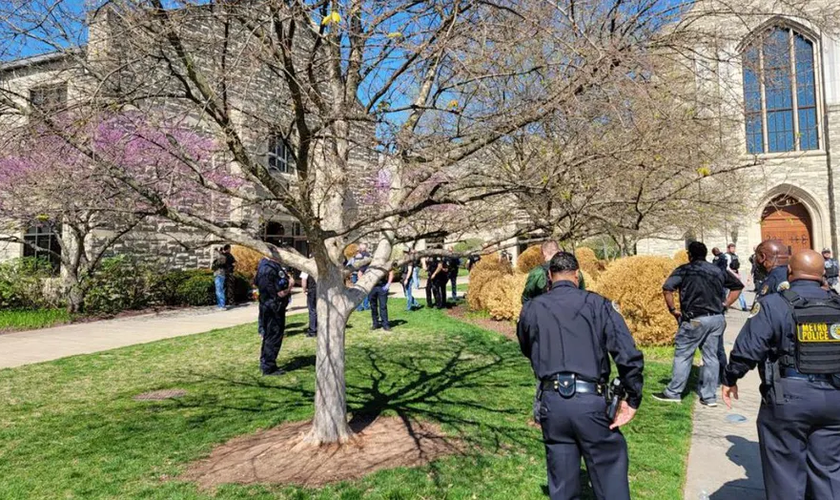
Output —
(817, 337)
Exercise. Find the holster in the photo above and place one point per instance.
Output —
(773, 377)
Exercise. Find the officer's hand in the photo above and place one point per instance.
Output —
(676, 314)
(624, 416)
(728, 393)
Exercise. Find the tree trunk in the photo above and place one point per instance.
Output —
(334, 308)
(75, 295)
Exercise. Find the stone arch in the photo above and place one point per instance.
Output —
(815, 209)
(809, 32)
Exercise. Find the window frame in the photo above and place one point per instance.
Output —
(759, 43)
(49, 90)
(285, 164)
(47, 230)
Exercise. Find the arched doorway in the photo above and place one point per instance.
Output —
(785, 218)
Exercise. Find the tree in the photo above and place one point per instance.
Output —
(49, 181)
(387, 113)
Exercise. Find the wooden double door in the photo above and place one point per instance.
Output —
(786, 219)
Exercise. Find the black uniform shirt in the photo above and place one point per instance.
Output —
(776, 278)
(269, 274)
(761, 337)
(701, 287)
(572, 330)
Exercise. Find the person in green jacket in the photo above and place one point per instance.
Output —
(538, 282)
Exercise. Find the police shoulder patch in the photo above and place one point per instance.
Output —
(756, 308)
(764, 290)
(616, 307)
(784, 285)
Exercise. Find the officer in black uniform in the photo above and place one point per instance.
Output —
(832, 269)
(275, 288)
(794, 338)
(432, 264)
(772, 256)
(569, 334)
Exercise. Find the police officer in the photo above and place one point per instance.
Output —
(379, 302)
(794, 338)
(432, 265)
(566, 333)
(772, 256)
(701, 322)
(275, 288)
(832, 268)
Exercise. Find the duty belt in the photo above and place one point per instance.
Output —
(792, 373)
(569, 383)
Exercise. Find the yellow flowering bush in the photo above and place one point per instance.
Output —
(635, 284)
(529, 259)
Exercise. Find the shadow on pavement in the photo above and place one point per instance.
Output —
(743, 453)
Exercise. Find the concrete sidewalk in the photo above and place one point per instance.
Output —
(724, 461)
(36, 346)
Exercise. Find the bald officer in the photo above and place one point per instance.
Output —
(772, 256)
(793, 336)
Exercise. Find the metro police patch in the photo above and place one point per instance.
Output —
(784, 285)
(756, 308)
(764, 290)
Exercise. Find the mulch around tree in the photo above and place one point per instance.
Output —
(278, 456)
(506, 328)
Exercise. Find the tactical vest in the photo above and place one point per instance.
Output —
(817, 337)
(734, 263)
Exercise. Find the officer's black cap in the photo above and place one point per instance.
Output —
(563, 262)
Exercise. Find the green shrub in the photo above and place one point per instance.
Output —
(22, 284)
(121, 283)
(197, 290)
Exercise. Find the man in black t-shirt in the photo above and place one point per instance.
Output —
(701, 321)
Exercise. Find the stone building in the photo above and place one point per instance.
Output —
(781, 75)
(55, 79)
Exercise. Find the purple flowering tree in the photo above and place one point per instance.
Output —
(54, 183)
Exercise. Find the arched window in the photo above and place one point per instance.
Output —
(280, 156)
(780, 96)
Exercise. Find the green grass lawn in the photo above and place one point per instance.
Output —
(70, 428)
(15, 320)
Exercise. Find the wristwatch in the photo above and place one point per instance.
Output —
(672, 309)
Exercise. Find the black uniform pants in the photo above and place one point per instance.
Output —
(577, 427)
(439, 290)
(274, 323)
(312, 306)
(430, 285)
(800, 442)
(379, 307)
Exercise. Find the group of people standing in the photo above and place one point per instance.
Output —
(274, 283)
(792, 335)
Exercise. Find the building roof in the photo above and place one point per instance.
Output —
(40, 59)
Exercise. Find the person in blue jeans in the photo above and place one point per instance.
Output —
(409, 282)
(701, 322)
(219, 267)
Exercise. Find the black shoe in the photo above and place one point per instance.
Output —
(661, 396)
(710, 404)
(375, 327)
(311, 334)
(275, 373)
(386, 328)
